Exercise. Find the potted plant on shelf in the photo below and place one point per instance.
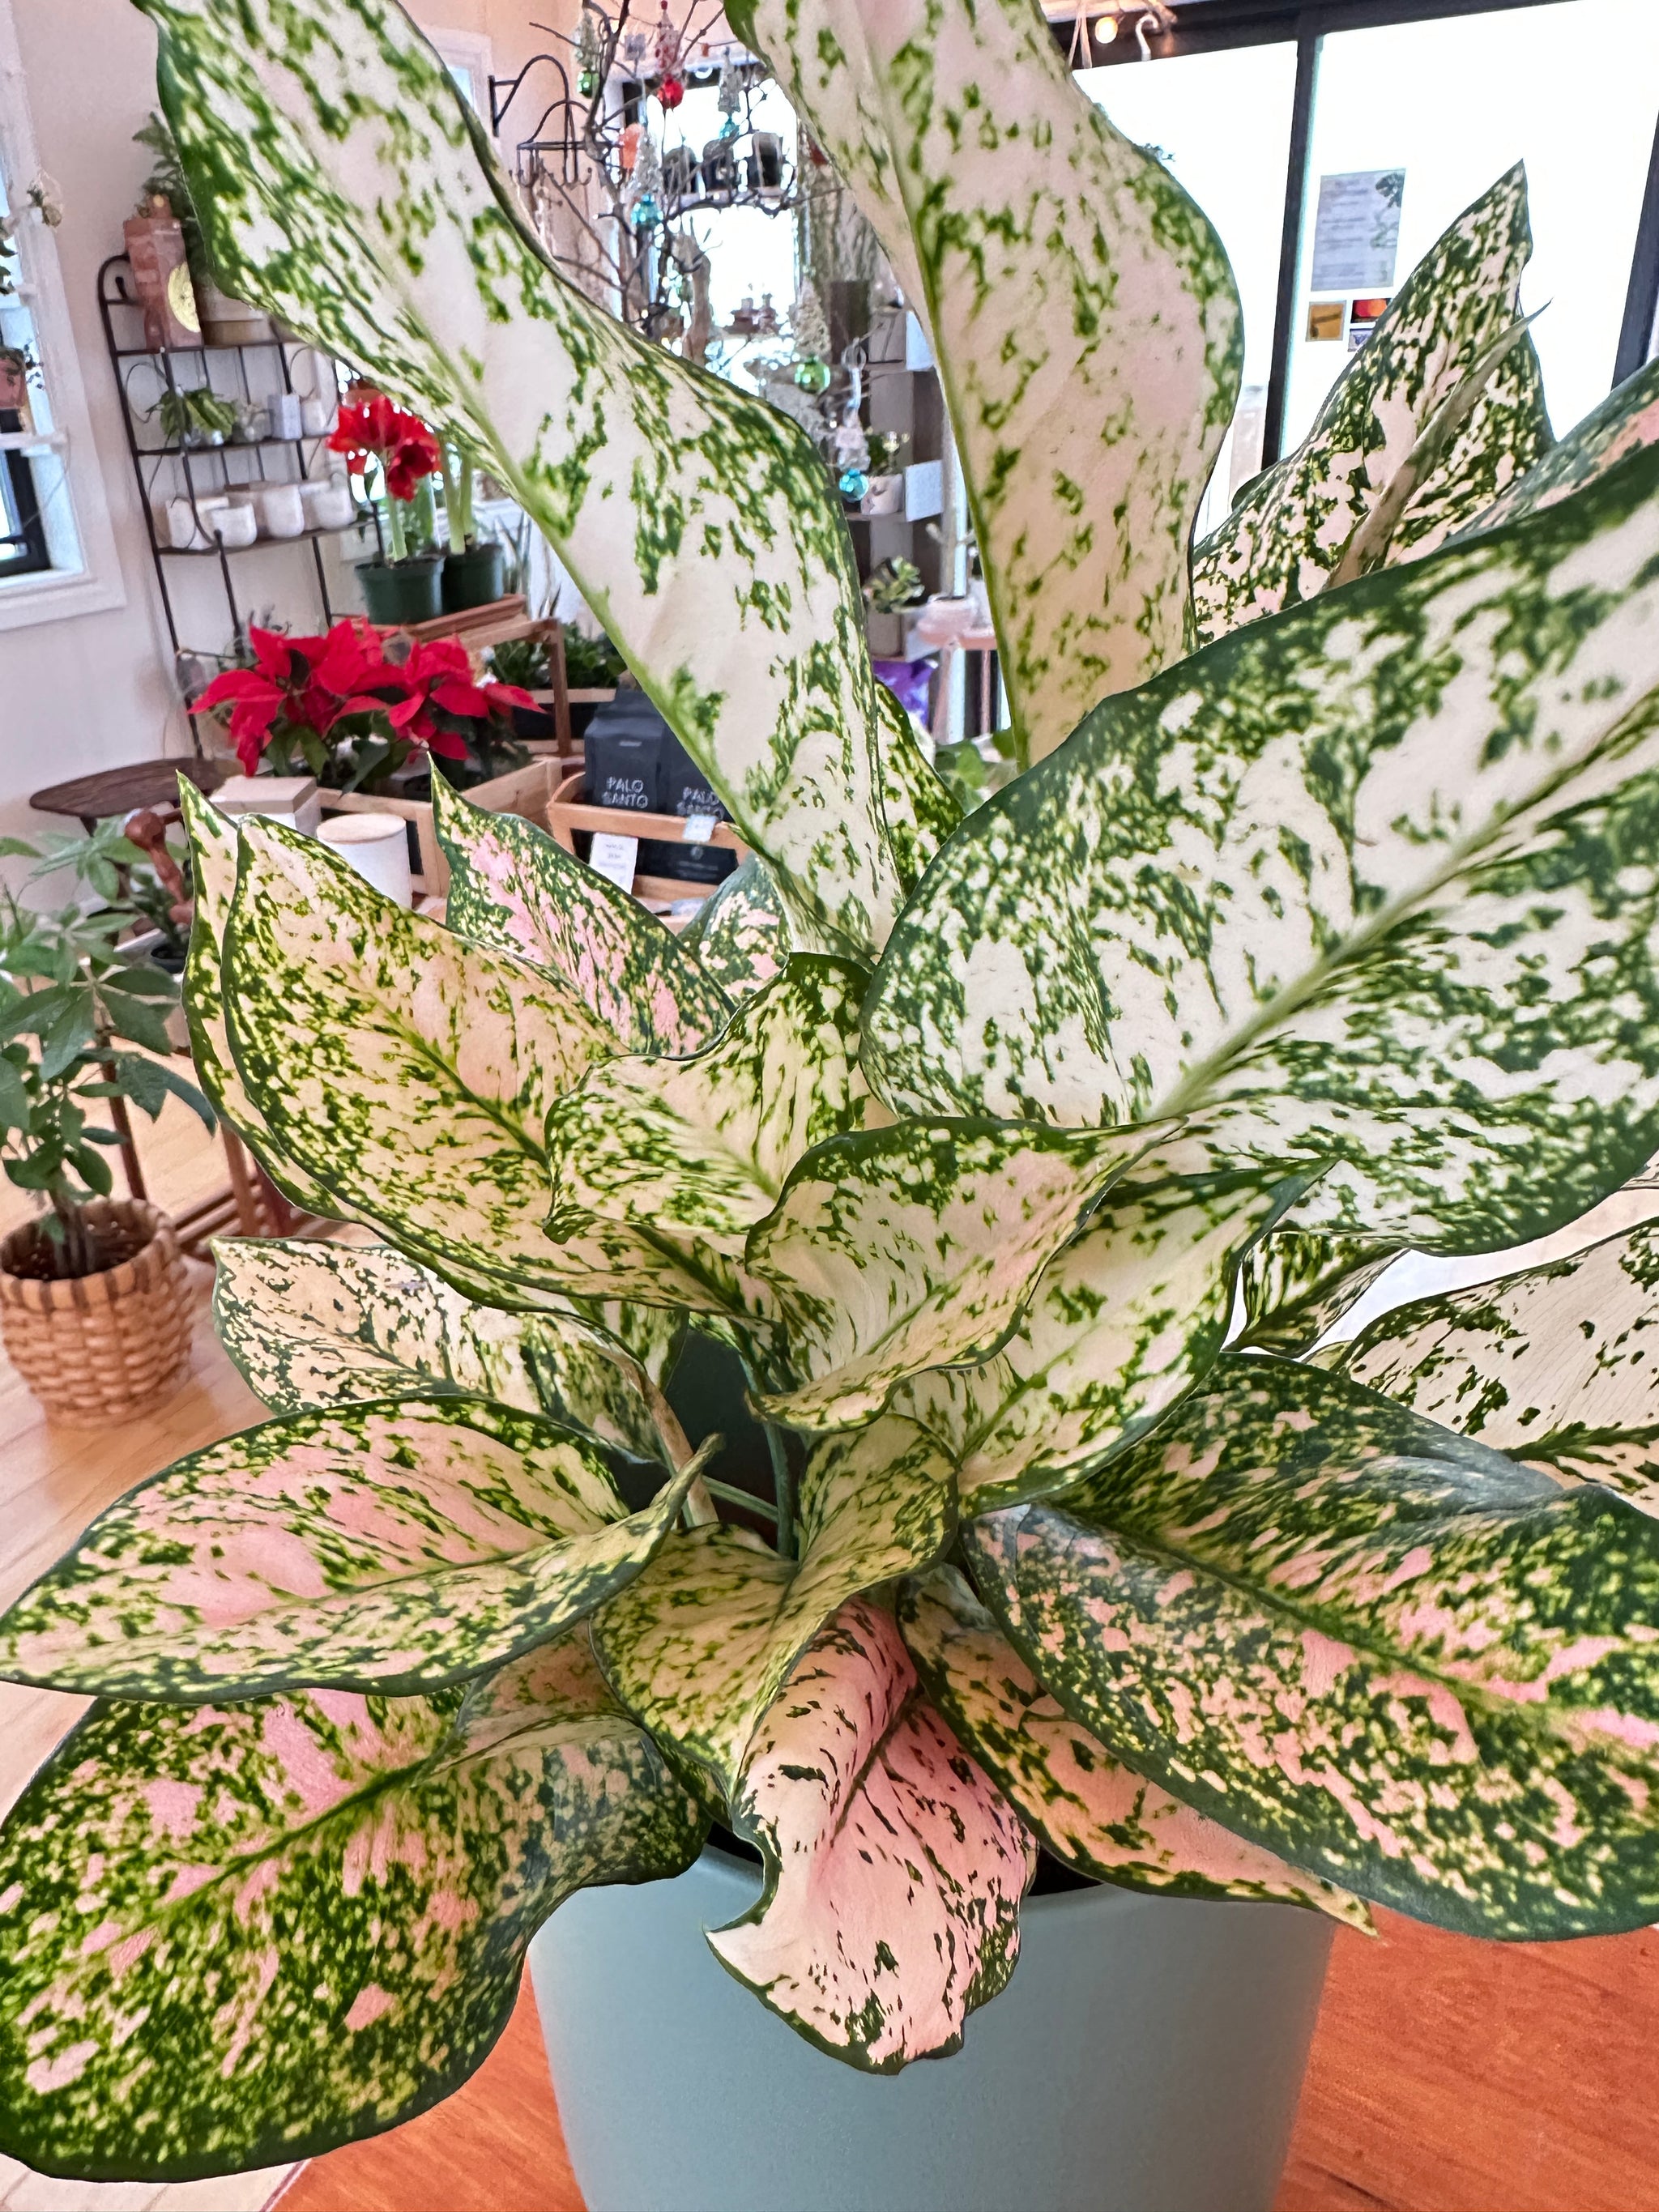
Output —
(94, 1299)
(405, 586)
(197, 418)
(473, 567)
(963, 1140)
(224, 321)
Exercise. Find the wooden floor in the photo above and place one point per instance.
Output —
(1447, 2076)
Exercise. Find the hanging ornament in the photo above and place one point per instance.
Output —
(809, 329)
(644, 211)
(634, 44)
(730, 101)
(632, 133)
(668, 51)
(812, 375)
(644, 207)
(671, 92)
(851, 446)
(853, 483)
(589, 55)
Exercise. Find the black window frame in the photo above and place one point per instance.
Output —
(23, 548)
(1215, 26)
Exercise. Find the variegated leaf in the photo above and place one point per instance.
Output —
(409, 1073)
(919, 811)
(1288, 532)
(1089, 1812)
(894, 1866)
(740, 933)
(918, 1247)
(344, 181)
(1368, 886)
(310, 1325)
(1559, 1366)
(1626, 420)
(396, 1546)
(1122, 1321)
(213, 883)
(1084, 316)
(515, 889)
(1382, 1650)
(241, 1935)
(660, 1167)
(700, 1644)
(1294, 1283)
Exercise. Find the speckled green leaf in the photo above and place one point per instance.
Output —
(1089, 1811)
(699, 1643)
(894, 1866)
(1122, 1321)
(1295, 1283)
(1407, 1664)
(241, 1935)
(1627, 419)
(410, 1073)
(660, 1167)
(1558, 1365)
(1369, 886)
(1084, 316)
(919, 811)
(395, 1546)
(311, 1324)
(1288, 532)
(213, 861)
(740, 933)
(344, 181)
(918, 1247)
(515, 889)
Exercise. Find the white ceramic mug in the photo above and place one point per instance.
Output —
(281, 510)
(236, 524)
(376, 847)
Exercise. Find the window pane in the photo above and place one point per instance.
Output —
(1222, 123)
(1572, 90)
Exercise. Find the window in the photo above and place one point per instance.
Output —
(465, 55)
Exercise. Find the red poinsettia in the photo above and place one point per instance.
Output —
(370, 424)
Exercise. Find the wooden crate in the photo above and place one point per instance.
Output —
(522, 791)
(568, 812)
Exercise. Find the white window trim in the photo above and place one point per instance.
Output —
(467, 50)
(96, 586)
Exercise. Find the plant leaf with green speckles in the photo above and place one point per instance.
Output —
(396, 1546)
(1084, 316)
(515, 889)
(1367, 885)
(918, 1247)
(1626, 420)
(1296, 1284)
(1086, 1808)
(740, 933)
(919, 811)
(699, 1644)
(344, 181)
(1383, 1651)
(661, 1168)
(409, 1073)
(1559, 1366)
(1288, 532)
(245, 1934)
(311, 1324)
(894, 1865)
(213, 872)
(1123, 1322)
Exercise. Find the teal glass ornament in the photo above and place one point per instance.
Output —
(645, 212)
(587, 83)
(813, 375)
(853, 483)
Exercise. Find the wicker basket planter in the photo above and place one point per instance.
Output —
(99, 1348)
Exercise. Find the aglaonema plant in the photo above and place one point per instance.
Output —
(1022, 1163)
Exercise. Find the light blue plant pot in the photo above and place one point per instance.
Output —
(1146, 2056)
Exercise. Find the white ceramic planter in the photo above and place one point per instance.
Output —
(1146, 2056)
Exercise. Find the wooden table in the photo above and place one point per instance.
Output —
(93, 798)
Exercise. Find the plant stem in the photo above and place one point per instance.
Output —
(395, 530)
(783, 1489)
(700, 1511)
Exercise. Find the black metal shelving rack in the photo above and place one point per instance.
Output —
(162, 466)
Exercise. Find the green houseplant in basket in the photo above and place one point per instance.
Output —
(1020, 1163)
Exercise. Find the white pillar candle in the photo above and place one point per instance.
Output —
(376, 847)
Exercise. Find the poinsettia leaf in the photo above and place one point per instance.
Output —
(213, 884)
(515, 889)
(1626, 420)
(409, 1072)
(1295, 1283)
(1558, 1365)
(894, 1866)
(1383, 1651)
(396, 1546)
(241, 1935)
(344, 181)
(661, 1168)
(311, 1324)
(1087, 1808)
(917, 1247)
(740, 933)
(1287, 532)
(1084, 316)
(1122, 1321)
(1369, 880)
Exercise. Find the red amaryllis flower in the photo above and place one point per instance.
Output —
(370, 424)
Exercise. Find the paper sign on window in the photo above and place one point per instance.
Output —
(1356, 234)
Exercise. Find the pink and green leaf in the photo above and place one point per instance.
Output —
(740, 934)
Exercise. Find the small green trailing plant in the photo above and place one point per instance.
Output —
(968, 1138)
(896, 584)
(71, 996)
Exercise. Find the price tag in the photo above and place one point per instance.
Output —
(615, 857)
(699, 829)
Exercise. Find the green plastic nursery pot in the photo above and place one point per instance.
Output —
(1146, 2056)
(472, 578)
(399, 592)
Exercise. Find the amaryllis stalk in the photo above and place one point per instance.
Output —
(371, 427)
